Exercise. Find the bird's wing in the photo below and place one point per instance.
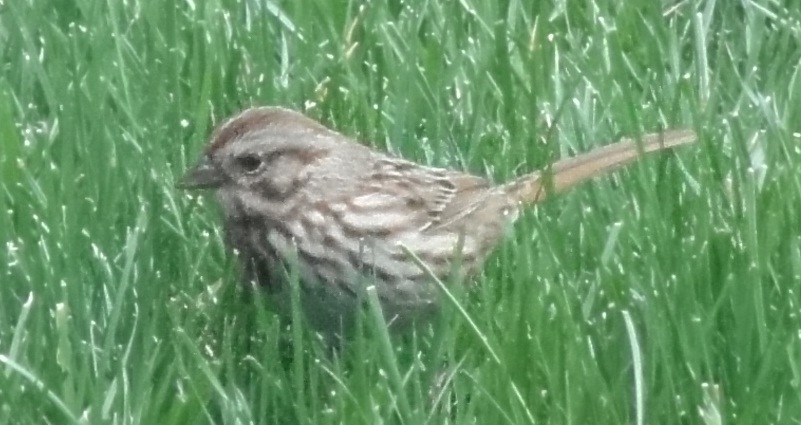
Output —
(422, 197)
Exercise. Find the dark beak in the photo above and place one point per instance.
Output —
(204, 175)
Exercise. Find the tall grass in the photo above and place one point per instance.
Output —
(668, 293)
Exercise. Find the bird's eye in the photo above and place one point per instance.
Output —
(249, 163)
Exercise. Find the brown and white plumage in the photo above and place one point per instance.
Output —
(297, 194)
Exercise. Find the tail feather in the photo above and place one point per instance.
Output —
(569, 172)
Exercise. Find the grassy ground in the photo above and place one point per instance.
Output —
(670, 293)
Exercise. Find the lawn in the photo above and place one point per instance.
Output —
(667, 293)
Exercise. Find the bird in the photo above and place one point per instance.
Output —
(301, 199)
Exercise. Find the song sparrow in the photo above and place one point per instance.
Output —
(296, 194)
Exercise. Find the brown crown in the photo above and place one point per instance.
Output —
(258, 119)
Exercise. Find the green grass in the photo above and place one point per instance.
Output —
(668, 293)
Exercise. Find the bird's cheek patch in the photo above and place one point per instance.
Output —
(282, 179)
(277, 189)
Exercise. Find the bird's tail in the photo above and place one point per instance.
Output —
(569, 172)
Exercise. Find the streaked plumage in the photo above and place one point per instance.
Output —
(293, 190)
